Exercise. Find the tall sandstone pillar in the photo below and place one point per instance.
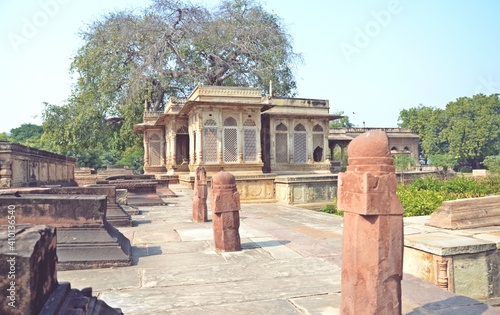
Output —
(372, 252)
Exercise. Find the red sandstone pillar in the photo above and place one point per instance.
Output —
(372, 252)
(225, 202)
(200, 213)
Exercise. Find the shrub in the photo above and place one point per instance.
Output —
(425, 195)
(492, 163)
(332, 208)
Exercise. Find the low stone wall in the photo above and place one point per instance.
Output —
(55, 210)
(22, 166)
(309, 191)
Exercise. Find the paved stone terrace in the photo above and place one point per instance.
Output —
(290, 264)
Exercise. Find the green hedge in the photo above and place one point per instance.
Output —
(424, 195)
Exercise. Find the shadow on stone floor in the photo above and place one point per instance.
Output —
(250, 245)
(452, 305)
(144, 251)
(136, 223)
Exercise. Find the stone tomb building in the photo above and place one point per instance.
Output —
(279, 149)
(263, 141)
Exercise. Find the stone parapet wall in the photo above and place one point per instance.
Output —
(55, 210)
(306, 190)
(22, 166)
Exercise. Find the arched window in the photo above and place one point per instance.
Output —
(318, 143)
(394, 149)
(154, 149)
(300, 144)
(281, 143)
(182, 130)
(210, 141)
(249, 141)
(230, 140)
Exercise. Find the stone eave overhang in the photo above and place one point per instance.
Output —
(341, 137)
(302, 115)
(190, 105)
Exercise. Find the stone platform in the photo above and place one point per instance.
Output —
(290, 264)
(463, 261)
(86, 239)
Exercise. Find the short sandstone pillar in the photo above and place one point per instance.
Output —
(225, 202)
(200, 213)
(372, 252)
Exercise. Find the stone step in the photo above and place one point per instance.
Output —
(92, 248)
(117, 216)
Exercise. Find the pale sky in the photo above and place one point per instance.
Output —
(370, 59)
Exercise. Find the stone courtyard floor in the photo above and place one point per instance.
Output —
(290, 264)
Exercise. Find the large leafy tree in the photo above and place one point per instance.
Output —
(133, 61)
(342, 122)
(166, 50)
(474, 131)
(467, 129)
(24, 132)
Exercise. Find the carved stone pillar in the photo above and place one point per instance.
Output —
(309, 141)
(200, 212)
(442, 279)
(291, 142)
(225, 202)
(6, 174)
(174, 147)
(163, 151)
(146, 149)
(199, 146)
(220, 142)
(192, 152)
(259, 145)
(372, 253)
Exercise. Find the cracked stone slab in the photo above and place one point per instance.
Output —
(163, 300)
(196, 234)
(318, 304)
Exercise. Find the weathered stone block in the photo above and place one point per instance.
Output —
(467, 213)
(121, 196)
(28, 268)
(56, 210)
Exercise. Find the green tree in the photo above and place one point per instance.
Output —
(131, 61)
(474, 130)
(26, 133)
(468, 128)
(492, 163)
(443, 161)
(342, 122)
(428, 123)
(402, 163)
(416, 118)
(133, 158)
(4, 136)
